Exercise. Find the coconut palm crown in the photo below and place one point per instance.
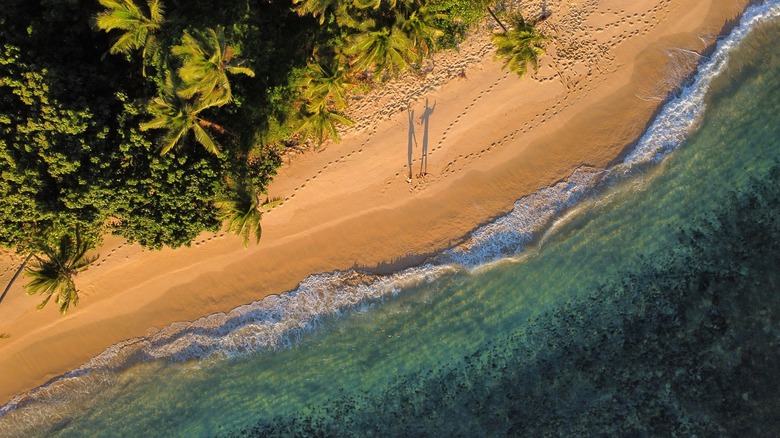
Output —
(180, 116)
(419, 25)
(383, 48)
(316, 8)
(376, 4)
(207, 58)
(138, 28)
(53, 270)
(324, 83)
(320, 123)
(239, 209)
(520, 47)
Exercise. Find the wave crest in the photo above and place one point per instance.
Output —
(279, 321)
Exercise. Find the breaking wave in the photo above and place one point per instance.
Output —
(279, 321)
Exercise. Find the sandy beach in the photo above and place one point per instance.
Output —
(430, 158)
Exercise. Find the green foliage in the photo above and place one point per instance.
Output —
(46, 149)
(139, 27)
(468, 12)
(376, 4)
(207, 59)
(317, 8)
(163, 199)
(421, 27)
(239, 209)
(320, 123)
(79, 126)
(326, 85)
(54, 267)
(456, 17)
(520, 47)
(179, 116)
(383, 48)
(383, 36)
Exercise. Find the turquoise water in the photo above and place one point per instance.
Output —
(616, 321)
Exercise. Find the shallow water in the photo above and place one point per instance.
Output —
(336, 358)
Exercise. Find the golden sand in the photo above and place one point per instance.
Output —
(491, 139)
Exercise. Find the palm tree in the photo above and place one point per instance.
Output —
(419, 26)
(18, 271)
(315, 8)
(207, 60)
(139, 28)
(239, 209)
(493, 14)
(180, 116)
(320, 123)
(520, 47)
(341, 10)
(383, 48)
(325, 84)
(52, 274)
(375, 4)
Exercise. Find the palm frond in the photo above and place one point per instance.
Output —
(239, 210)
(321, 124)
(172, 138)
(324, 84)
(236, 70)
(315, 8)
(124, 44)
(520, 47)
(53, 270)
(203, 137)
(383, 48)
(137, 28)
(108, 21)
(156, 11)
(207, 58)
(68, 296)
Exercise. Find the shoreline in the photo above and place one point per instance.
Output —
(327, 230)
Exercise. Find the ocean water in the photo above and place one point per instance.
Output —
(638, 300)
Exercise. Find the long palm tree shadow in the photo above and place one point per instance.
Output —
(18, 271)
(412, 137)
(426, 117)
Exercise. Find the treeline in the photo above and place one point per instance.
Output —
(684, 344)
(159, 119)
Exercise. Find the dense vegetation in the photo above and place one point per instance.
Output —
(684, 344)
(85, 113)
(159, 119)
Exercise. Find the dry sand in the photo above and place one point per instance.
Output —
(491, 139)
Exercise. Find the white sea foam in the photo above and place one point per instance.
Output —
(279, 321)
(512, 232)
(681, 115)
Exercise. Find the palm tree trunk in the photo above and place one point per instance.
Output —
(497, 20)
(18, 271)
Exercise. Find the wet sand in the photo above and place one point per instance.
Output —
(491, 139)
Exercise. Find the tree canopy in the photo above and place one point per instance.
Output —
(93, 91)
(54, 267)
(138, 26)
